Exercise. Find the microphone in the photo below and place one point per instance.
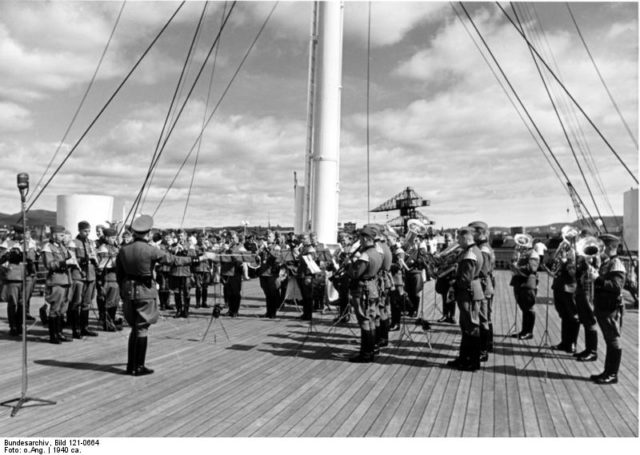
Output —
(23, 183)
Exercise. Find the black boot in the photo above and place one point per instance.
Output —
(462, 355)
(178, 299)
(198, 296)
(590, 353)
(204, 297)
(131, 354)
(74, 322)
(473, 359)
(562, 346)
(59, 321)
(44, 316)
(490, 338)
(573, 330)
(611, 367)
(484, 341)
(367, 346)
(384, 333)
(141, 354)
(53, 331)
(84, 324)
(185, 311)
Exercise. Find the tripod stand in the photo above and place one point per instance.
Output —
(545, 340)
(23, 186)
(404, 330)
(215, 316)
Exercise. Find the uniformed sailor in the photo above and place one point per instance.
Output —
(609, 307)
(201, 274)
(134, 271)
(268, 273)
(231, 272)
(180, 275)
(13, 272)
(584, 303)
(564, 298)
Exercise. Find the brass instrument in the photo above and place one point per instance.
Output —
(591, 248)
(523, 242)
(446, 260)
(565, 250)
(414, 229)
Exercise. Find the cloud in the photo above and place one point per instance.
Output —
(14, 117)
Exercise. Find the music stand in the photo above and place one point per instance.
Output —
(513, 330)
(545, 339)
(23, 186)
(215, 316)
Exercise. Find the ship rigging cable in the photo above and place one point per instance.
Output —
(215, 109)
(111, 98)
(597, 130)
(204, 119)
(82, 100)
(368, 100)
(613, 101)
(156, 154)
(569, 110)
(486, 45)
(566, 107)
(184, 104)
(171, 111)
(510, 98)
(564, 130)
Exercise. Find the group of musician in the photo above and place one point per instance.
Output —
(374, 275)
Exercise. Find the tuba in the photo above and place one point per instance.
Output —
(589, 247)
(447, 260)
(414, 229)
(523, 241)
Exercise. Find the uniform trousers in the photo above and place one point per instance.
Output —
(413, 286)
(587, 317)
(12, 294)
(271, 294)
(526, 300)
(232, 291)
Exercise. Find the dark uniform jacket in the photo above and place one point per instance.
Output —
(527, 267)
(54, 260)
(364, 271)
(231, 266)
(488, 265)
(134, 266)
(182, 269)
(11, 261)
(107, 255)
(85, 252)
(609, 284)
(467, 283)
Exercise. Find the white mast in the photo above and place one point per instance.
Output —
(306, 190)
(326, 131)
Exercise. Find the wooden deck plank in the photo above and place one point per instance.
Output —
(255, 385)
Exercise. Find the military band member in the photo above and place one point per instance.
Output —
(305, 276)
(108, 289)
(268, 273)
(564, 299)
(525, 287)
(180, 275)
(231, 272)
(341, 280)
(385, 285)
(163, 274)
(56, 259)
(469, 297)
(134, 271)
(83, 277)
(584, 304)
(609, 307)
(481, 237)
(364, 293)
(414, 281)
(13, 271)
(201, 274)
(397, 294)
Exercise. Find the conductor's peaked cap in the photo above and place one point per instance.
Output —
(143, 223)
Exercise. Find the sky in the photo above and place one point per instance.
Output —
(438, 120)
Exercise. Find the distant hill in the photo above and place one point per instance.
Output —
(34, 218)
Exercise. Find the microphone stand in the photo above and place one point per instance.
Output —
(23, 186)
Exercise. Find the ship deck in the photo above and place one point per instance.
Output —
(279, 378)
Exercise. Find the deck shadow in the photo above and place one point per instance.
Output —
(107, 368)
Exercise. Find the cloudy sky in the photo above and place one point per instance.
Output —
(439, 122)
